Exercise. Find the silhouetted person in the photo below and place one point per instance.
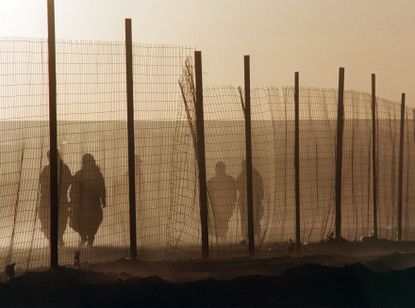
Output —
(258, 196)
(64, 181)
(88, 198)
(222, 195)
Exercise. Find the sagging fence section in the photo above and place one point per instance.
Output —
(92, 120)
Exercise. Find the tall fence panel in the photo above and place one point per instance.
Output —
(24, 139)
(93, 167)
(273, 157)
(92, 140)
(388, 131)
(273, 164)
(225, 156)
(183, 229)
(357, 179)
(408, 193)
(318, 144)
(273, 139)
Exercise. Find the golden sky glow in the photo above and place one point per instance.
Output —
(314, 37)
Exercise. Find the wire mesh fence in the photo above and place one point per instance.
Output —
(24, 114)
(273, 163)
(225, 154)
(91, 113)
(93, 164)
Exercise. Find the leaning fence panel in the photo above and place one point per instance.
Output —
(167, 211)
(183, 228)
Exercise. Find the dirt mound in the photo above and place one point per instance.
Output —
(307, 285)
(392, 261)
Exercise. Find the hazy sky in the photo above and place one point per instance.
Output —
(314, 37)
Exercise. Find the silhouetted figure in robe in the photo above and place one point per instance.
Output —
(222, 192)
(43, 210)
(258, 196)
(88, 199)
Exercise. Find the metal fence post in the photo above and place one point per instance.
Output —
(401, 149)
(53, 137)
(131, 140)
(248, 149)
(374, 160)
(297, 161)
(339, 153)
(201, 160)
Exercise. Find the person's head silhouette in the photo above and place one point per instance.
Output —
(57, 153)
(220, 168)
(138, 161)
(88, 161)
(244, 164)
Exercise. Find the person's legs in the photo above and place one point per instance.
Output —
(61, 243)
(244, 222)
(91, 239)
(44, 217)
(95, 220)
(258, 214)
(221, 227)
(90, 232)
(63, 220)
(257, 231)
(83, 240)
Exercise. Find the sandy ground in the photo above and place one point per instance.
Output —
(376, 255)
(374, 274)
